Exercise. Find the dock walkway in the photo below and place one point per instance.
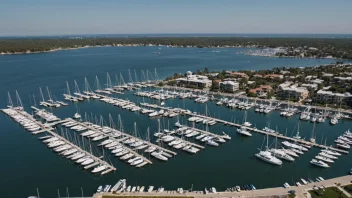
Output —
(270, 134)
(49, 130)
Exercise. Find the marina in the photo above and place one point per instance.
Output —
(24, 118)
(225, 162)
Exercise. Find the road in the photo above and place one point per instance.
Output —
(301, 191)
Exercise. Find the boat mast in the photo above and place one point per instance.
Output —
(9, 100)
(135, 76)
(130, 76)
(68, 89)
(41, 93)
(97, 83)
(122, 80)
(50, 99)
(19, 101)
(156, 75)
(108, 81)
(76, 87)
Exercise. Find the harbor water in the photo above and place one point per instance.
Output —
(27, 163)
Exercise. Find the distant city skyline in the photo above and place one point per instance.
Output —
(39, 17)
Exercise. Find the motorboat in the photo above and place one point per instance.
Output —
(281, 154)
(324, 159)
(243, 131)
(319, 163)
(327, 155)
(268, 157)
(99, 168)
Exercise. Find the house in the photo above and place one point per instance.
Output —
(310, 87)
(274, 76)
(261, 91)
(229, 86)
(236, 74)
(328, 75)
(258, 76)
(317, 81)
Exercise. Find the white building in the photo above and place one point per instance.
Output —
(288, 90)
(229, 86)
(198, 81)
(310, 86)
(330, 97)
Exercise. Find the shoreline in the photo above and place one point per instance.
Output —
(240, 95)
(173, 46)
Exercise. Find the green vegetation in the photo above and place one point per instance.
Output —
(336, 47)
(332, 192)
(348, 188)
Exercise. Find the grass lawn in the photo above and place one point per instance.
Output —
(331, 192)
(348, 188)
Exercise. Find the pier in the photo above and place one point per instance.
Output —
(270, 134)
(47, 129)
(113, 138)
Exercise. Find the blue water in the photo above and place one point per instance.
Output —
(28, 164)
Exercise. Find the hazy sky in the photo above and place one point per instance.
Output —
(57, 17)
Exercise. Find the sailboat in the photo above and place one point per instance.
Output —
(245, 123)
(281, 153)
(297, 134)
(267, 155)
(312, 138)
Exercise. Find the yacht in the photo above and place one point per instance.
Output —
(327, 155)
(212, 143)
(201, 136)
(150, 149)
(267, 157)
(289, 152)
(159, 155)
(77, 116)
(99, 168)
(319, 163)
(225, 136)
(334, 121)
(295, 146)
(191, 149)
(330, 152)
(281, 154)
(243, 131)
(324, 159)
(247, 124)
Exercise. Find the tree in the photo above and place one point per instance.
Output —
(172, 82)
(160, 84)
(205, 71)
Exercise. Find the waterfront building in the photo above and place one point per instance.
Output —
(229, 86)
(197, 81)
(261, 91)
(323, 96)
(296, 93)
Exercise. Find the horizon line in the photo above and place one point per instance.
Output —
(92, 34)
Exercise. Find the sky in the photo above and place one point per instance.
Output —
(65, 17)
